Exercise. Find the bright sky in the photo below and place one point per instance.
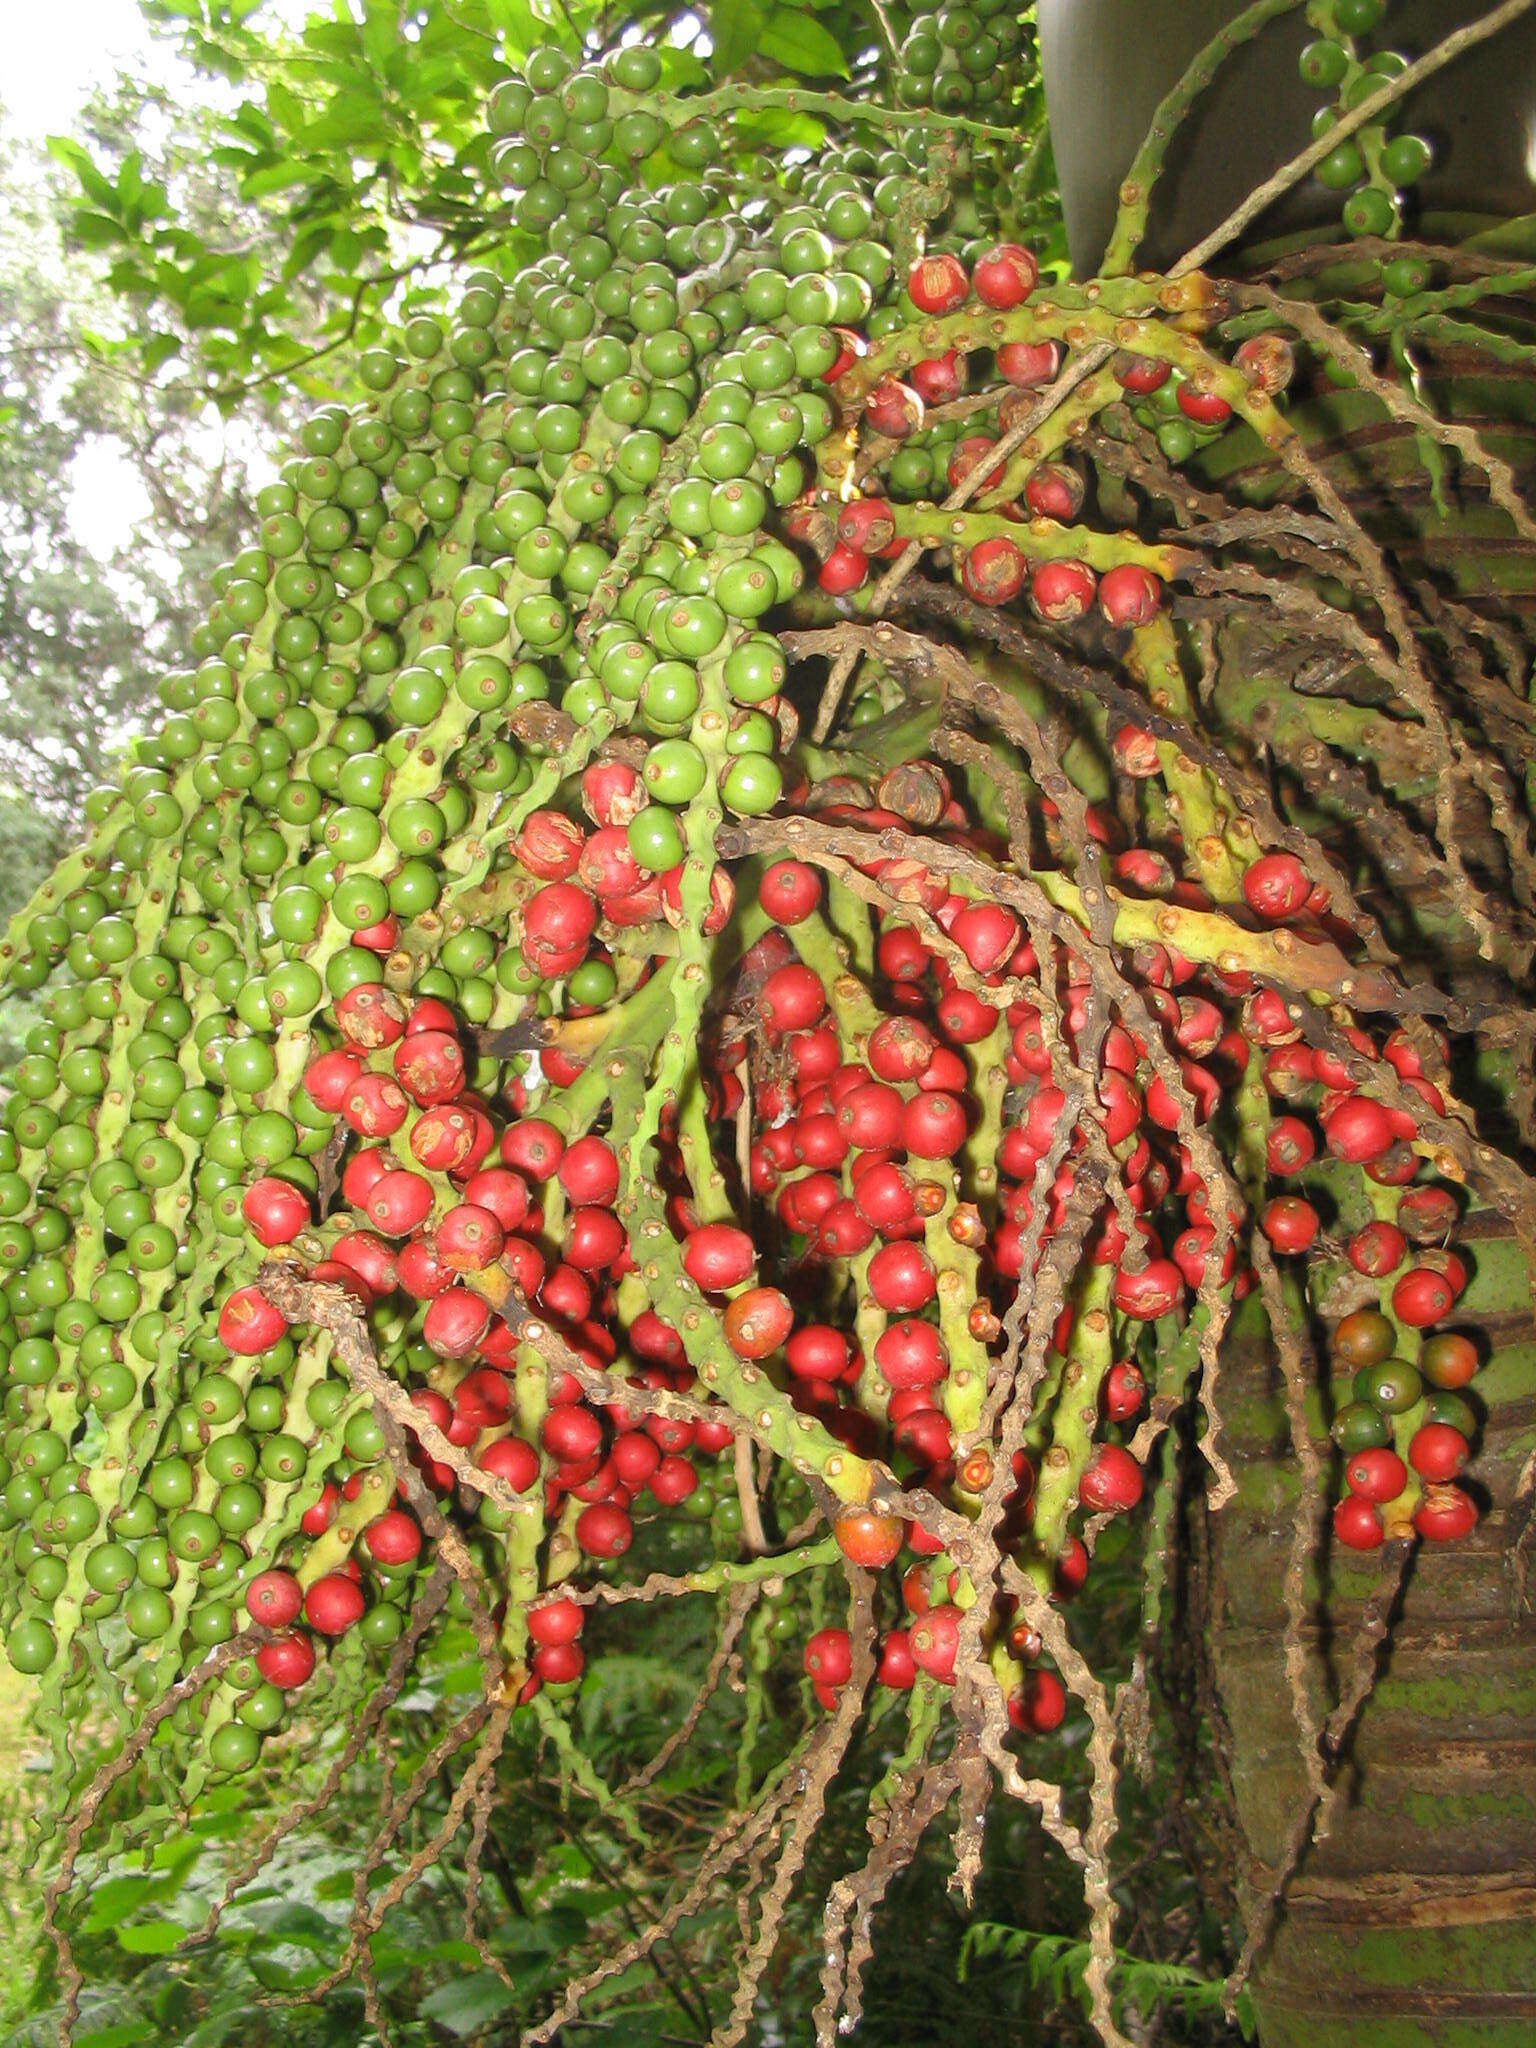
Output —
(55, 52)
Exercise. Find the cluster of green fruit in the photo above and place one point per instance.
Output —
(962, 57)
(1372, 165)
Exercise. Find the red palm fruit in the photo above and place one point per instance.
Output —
(901, 955)
(275, 1210)
(604, 1530)
(487, 1390)
(757, 1322)
(287, 1661)
(1125, 1391)
(1140, 375)
(363, 1172)
(671, 1433)
(938, 284)
(273, 1599)
(549, 845)
(1121, 1102)
(817, 1352)
(652, 1339)
(987, 934)
(635, 1457)
(607, 869)
(533, 1146)
(429, 1065)
(1156, 1290)
(1376, 1474)
(896, 1669)
(1358, 1130)
(1445, 1514)
(1071, 1571)
(1062, 591)
(594, 1239)
(894, 409)
(612, 792)
(1276, 887)
(510, 1459)
(248, 1323)
(555, 1622)
(366, 1254)
(813, 1054)
(1135, 752)
(1039, 1705)
(560, 1664)
(589, 1172)
(717, 1256)
(398, 1201)
(869, 1539)
(502, 1192)
(712, 1437)
(1422, 1296)
(1290, 1224)
(842, 1233)
(456, 1322)
(1112, 1481)
(394, 1539)
(370, 1016)
(1357, 1523)
(866, 525)
(869, 1116)
(1378, 1249)
(843, 570)
(1055, 491)
(1004, 275)
(828, 1657)
(1027, 364)
(1271, 1022)
(1205, 408)
(673, 1480)
(1438, 1452)
(900, 1049)
(469, 1239)
(330, 1075)
(1448, 1360)
(819, 1140)
(884, 1198)
(933, 1126)
(375, 1106)
(1289, 1145)
(901, 1278)
(571, 1434)
(443, 1138)
(333, 1603)
(560, 916)
(318, 1517)
(993, 571)
(938, 379)
(965, 1020)
(792, 998)
(934, 1639)
(422, 1272)
(910, 1354)
(1129, 595)
(789, 891)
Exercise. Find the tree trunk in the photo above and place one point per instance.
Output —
(1411, 1922)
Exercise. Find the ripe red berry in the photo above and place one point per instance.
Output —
(935, 1642)
(1438, 1452)
(1422, 1297)
(1376, 1474)
(1129, 595)
(603, 1530)
(394, 1539)
(287, 1661)
(276, 1210)
(333, 1603)
(828, 1657)
(869, 1539)
(1112, 1481)
(1276, 887)
(1062, 591)
(1155, 1291)
(844, 570)
(248, 1323)
(1042, 1703)
(1289, 1145)
(718, 1255)
(1028, 364)
(993, 570)
(1004, 276)
(1290, 1224)
(938, 284)
(789, 891)
(901, 1278)
(1445, 1514)
(1205, 408)
(896, 1668)
(1357, 1523)
(274, 1598)
(757, 1322)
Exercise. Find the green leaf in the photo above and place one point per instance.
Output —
(737, 31)
(151, 1938)
(466, 2003)
(124, 2034)
(800, 43)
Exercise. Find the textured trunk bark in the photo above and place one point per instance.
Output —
(1414, 1921)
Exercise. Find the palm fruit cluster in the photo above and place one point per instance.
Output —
(961, 57)
(1376, 168)
(492, 1061)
